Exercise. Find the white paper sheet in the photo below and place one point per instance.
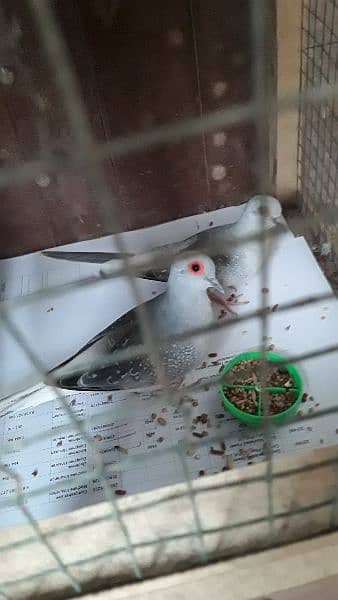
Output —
(125, 425)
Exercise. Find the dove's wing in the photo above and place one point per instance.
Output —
(168, 250)
(90, 368)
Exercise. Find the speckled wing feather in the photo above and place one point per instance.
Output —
(123, 333)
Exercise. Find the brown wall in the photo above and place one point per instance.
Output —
(140, 64)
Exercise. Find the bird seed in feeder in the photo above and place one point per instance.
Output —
(245, 400)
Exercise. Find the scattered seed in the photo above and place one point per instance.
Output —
(288, 327)
(212, 354)
(59, 443)
(203, 365)
(120, 492)
(220, 416)
(245, 452)
(161, 421)
(265, 290)
(121, 449)
(73, 402)
(35, 472)
(203, 418)
(160, 440)
(305, 397)
(110, 397)
(201, 473)
(274, 308)
(201, 434)
(195, 403)
(250, 462)
(317, 404)
(226, 468)
(321, 441)
(211, 223)
(323, 317)
(153, 416)
(50, 309)
(150, 434)
(216, 452)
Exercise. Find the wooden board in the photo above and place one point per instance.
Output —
(140, 65)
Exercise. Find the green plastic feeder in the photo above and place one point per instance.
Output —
(258, 419)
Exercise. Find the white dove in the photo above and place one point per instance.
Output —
(190, 301)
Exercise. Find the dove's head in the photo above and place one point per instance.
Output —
(193, 275)
(257, 207)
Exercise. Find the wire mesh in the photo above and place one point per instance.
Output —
(317, 180)
(317, 143)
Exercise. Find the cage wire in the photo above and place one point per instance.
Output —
(317, 181)
(317, 134)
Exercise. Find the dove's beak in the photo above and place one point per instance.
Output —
(280, 227)
(216, 293)
(279, 220)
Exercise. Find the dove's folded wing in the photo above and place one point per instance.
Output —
(94, 368)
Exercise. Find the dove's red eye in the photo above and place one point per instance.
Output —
(196, 267)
